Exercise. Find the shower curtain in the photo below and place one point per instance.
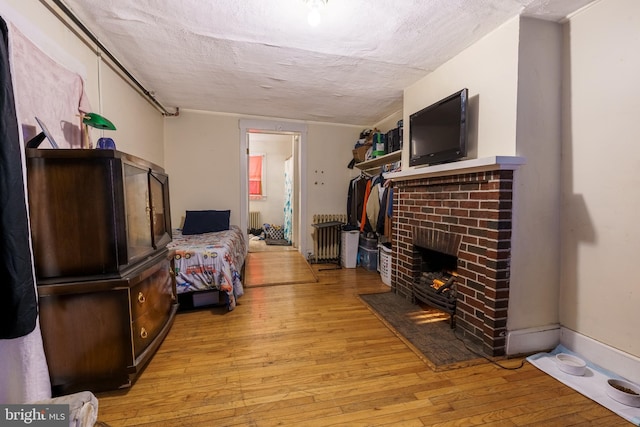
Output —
(288, 199)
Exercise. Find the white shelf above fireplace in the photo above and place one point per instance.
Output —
(455, 168)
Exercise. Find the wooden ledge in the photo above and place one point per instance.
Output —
(457, 168)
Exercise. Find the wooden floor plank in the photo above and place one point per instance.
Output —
(312, 354)
(277, 268)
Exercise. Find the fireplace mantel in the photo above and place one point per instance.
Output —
(457, 168)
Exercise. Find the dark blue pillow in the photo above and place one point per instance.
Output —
(198, 222)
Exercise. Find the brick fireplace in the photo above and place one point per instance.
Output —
(474, 211)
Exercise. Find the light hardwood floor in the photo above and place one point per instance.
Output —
(277, 268)
(313, 355)
(261, 246)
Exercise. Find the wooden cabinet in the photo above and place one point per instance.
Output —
(99, 334)
(95, 213)
(100, 225)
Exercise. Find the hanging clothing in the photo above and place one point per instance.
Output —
(18, 304)
(351, 208)
(373, 205)
(355, 200)
(363, 217)
(382, 214)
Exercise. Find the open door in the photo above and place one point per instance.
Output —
(297, 134)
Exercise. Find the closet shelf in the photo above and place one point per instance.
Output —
(373, 165)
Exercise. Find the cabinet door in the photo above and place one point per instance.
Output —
(75, 216)
(87, 339)
(138, 208)
(160, 214)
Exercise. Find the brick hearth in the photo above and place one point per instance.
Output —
(477, 209)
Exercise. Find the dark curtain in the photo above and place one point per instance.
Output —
(18, 305)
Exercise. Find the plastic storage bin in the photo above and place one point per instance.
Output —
(384, 264)
(368, 242)
(349, 249)
(369, 258)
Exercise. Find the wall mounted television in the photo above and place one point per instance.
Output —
(438, 133)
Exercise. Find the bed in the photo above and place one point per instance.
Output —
(208, 267)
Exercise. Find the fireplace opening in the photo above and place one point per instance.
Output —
(432, 260)
(436, 283)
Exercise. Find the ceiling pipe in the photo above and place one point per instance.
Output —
(104, 50)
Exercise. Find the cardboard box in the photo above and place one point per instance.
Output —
(360, 153)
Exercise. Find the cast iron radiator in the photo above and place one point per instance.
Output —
(326, 242)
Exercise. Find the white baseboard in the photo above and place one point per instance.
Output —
(532, 340)
(624, 364)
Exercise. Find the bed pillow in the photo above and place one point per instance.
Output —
(198, 222)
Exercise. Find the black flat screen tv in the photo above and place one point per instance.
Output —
(438, 133)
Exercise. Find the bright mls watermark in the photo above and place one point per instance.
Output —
(34, 415)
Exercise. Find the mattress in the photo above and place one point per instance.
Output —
(210, 261)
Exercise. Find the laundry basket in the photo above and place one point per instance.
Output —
(384, 264)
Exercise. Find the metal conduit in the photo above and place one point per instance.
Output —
(104, 50)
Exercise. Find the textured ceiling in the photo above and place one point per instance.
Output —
(261, 57)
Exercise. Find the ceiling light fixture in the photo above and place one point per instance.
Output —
(315, 7)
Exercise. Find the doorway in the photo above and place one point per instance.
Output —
(271, 191)
(261, 133)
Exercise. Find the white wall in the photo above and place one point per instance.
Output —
(489, 69)
(600, 291)
(329, 153)
(202, 157)
(139, 125)
(533, 298)
(389, 122)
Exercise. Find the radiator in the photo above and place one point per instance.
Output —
(326, 241)
(254, 220)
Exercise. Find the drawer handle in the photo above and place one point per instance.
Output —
(141, 298)
(143, 333)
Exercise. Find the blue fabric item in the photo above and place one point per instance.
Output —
(198, 222)
(288, 200)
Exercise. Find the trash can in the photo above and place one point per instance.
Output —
(349, 249)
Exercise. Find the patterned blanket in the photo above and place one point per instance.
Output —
(210, 261)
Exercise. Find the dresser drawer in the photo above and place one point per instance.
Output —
(145, 329)
(155, 294)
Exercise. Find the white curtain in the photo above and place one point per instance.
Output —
(24, 374)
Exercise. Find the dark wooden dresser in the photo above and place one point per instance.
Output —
(100, 224)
